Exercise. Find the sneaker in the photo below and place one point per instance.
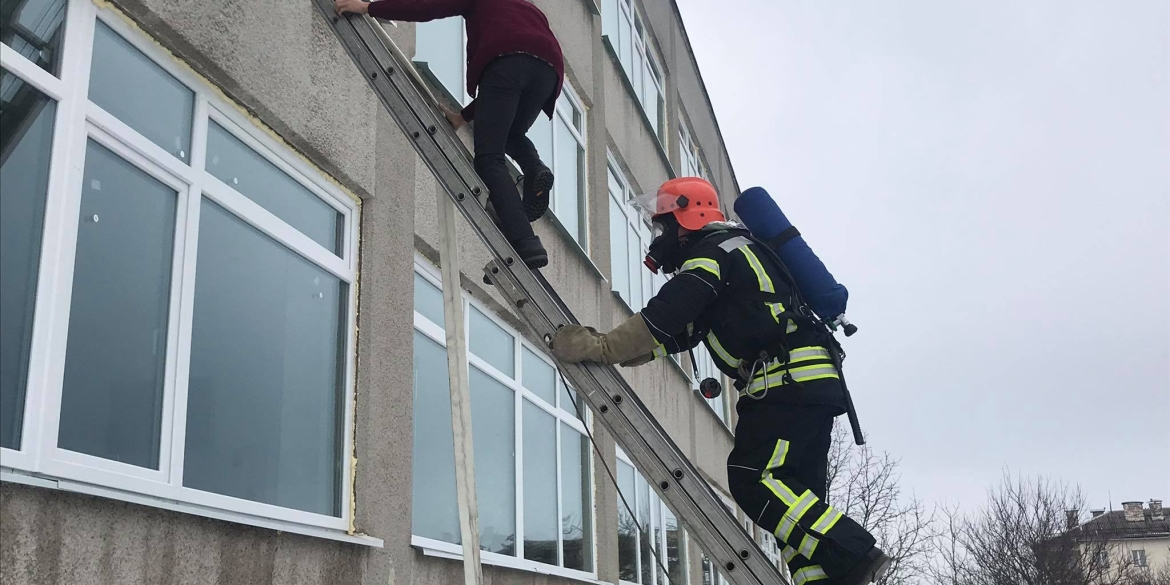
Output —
(870, 568)
(531, 252)
(537, 187)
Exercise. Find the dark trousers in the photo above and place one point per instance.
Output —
(777, 474)
(511, 93)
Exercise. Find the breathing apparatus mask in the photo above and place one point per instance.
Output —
(665, 252)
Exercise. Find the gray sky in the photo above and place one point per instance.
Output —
(991, 181)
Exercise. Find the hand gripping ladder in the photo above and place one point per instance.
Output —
(613, 402)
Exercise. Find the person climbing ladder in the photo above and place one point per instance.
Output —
(515, 70)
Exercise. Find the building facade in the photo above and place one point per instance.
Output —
(223, 334)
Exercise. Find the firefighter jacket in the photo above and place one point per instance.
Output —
(733, 296)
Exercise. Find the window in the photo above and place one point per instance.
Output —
(623, 23)
(629, 240)
(1139, 557)
(561, 143)
(191, 342)
(440, 45)
(651, 542)
(712, 575)
(692, 158)
(707, 369)
(532, 457)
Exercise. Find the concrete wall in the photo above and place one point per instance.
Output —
(281, 63)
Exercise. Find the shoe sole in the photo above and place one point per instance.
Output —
(534, 262)
(536, 203)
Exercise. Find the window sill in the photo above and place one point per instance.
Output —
(617, 62)
(446, 550)
(9, 476)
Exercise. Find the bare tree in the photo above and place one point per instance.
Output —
(865, 486)
(1024, 537)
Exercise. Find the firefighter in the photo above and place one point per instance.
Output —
(732, 294)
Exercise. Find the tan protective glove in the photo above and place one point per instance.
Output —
(628, 341)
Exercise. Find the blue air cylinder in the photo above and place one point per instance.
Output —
(824, 295)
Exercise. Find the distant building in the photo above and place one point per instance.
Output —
(1136, 534)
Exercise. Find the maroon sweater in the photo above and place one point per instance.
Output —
(494, 28)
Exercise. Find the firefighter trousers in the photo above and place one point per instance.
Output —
(777, 474)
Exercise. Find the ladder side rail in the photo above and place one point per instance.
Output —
(695, 503)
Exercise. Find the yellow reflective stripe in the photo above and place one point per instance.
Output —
(827, 520)
(721, 352)
(795, 513)
(802, 374)
(808, 352)
(788, 554)
(786, 495)
(660, 351)
(808, 546)
(702, 264)
(761, 274)
(800, 354)
(779, 454)
(809, 574)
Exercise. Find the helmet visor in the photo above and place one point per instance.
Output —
(656, 203)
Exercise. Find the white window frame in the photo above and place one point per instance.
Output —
(657, 519)
(521, 394)
(78, 120)
(642, 59)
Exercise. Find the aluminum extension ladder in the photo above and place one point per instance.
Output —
(612, 401)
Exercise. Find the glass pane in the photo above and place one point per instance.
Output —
(636, 70)
(627, 527)
(625, 46)
(540, 485)
(539, 377)
(439, 44)
(492, 420)
(264, 411)
(243, 169)
(159, 107)
(648, 562)
(619, 258)
(428, 300)
(674, 548)
(434, 508)
(541, 136)
(649, 94)
(656, 542)
(567, 187)
(571, 403)
(635, 254)
(609, 18)
(492, 344)
(34, 29)
(26, 137)
(576, 501)
(111, 401)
